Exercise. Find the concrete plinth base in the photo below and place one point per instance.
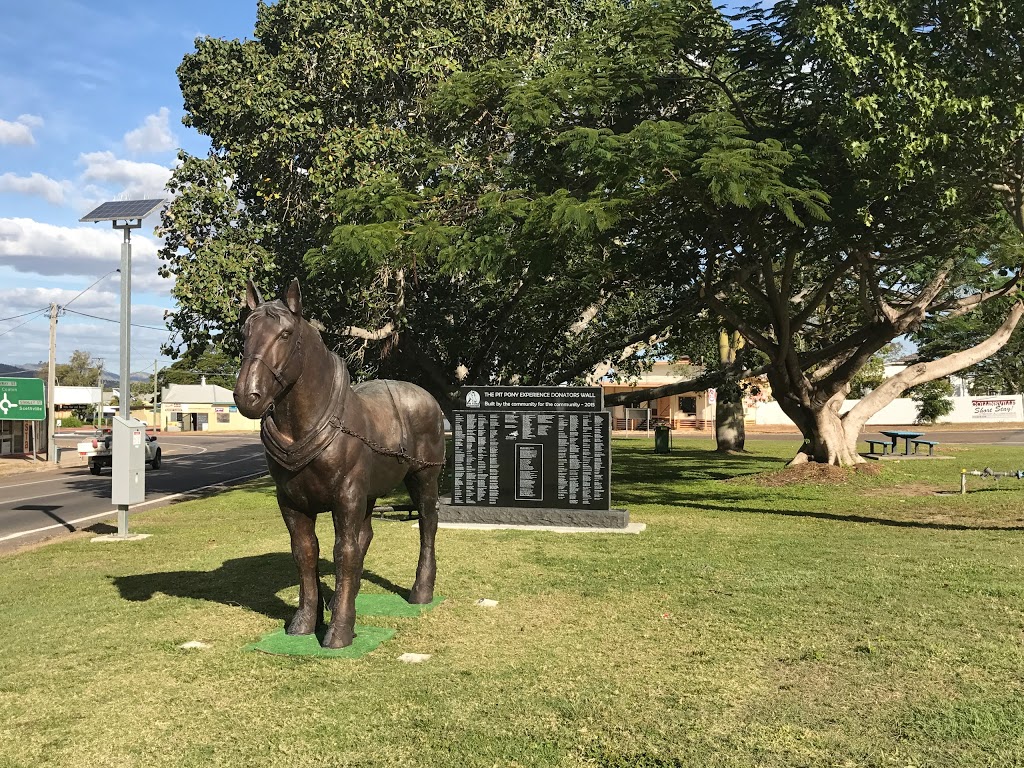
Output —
(631, 528)
(533, 516)
(113, 538)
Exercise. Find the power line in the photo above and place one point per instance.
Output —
(108, 320)
(37, 314)
(23, 314)
(91, 286)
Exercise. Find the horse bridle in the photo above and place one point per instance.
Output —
(278, 373)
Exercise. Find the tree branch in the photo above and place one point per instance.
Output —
(921, 373)
(968, 303)
(361, 333)
(714, 378)
(827, 284)
(588, 315)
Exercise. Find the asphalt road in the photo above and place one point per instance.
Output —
(41, 505)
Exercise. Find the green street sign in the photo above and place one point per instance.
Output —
(22, 400)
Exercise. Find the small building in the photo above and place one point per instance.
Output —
(692, 410)
(202, 408)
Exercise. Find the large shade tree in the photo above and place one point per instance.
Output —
(924, 102)
(922, 182)
(607, 161)
(318, 122)
(562, 200)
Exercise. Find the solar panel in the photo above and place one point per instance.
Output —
(123, 209)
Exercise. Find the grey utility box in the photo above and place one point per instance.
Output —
(129, 461)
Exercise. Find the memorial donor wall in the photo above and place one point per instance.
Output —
(532, 455)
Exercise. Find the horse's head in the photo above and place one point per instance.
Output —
(272, 352)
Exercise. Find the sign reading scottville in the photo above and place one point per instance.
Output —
(22, 400)
(532, 447)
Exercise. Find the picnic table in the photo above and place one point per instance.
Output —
(909, 437)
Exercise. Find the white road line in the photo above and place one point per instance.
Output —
(33, 498)
(187, 445)
(112, 512)
(18, 485)
(236, 461)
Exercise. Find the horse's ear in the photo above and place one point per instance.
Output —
(252, 295)
(293, 297)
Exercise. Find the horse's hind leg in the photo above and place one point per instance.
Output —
(422, 487)
(306, 551)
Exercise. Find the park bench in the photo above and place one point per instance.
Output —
(930, 443)
(885, 444)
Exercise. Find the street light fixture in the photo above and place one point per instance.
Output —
(128, 485)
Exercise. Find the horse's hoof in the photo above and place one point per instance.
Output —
(338, 637)
(421, 595)
(303, 624)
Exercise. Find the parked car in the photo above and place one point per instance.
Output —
(98, 454)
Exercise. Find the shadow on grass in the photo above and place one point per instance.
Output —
(251, 582)
(701, 503)
(643, 477)
(689, 464)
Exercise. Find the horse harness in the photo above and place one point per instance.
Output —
(293, 455)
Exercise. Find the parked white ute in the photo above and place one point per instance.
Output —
(97, 452)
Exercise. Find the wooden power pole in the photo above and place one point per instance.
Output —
(51, 381)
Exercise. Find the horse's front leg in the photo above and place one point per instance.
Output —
(306, 551)
(365, 537)
(348, 564)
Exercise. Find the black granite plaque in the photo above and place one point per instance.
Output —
(530, 399)
(535, 456)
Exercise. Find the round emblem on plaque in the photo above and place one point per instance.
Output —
(472, 399)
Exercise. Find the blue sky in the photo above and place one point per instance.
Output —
(90, 111)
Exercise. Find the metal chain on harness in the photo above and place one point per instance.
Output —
(376, 447)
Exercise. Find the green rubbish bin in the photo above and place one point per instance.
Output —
(662, 439)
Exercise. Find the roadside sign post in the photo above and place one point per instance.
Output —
(23, 400)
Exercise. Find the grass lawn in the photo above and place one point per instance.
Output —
(860, 621)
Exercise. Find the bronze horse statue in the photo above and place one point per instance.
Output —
(334, 446)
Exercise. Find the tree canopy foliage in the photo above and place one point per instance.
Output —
(211, 365)
(79, 371)
(516, 192)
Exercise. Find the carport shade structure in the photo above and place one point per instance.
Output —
(125, 215)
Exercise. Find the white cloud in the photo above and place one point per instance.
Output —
(133, 179)
(32, 247)
(36, 184)
(154, 135)
(20, 131)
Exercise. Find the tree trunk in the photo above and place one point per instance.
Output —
(831, 438)
(730, 430)
(826, 439)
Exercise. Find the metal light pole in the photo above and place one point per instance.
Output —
(127, 438)
(124, 390)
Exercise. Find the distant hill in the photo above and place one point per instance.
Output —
(19, 371)
(31, 371)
